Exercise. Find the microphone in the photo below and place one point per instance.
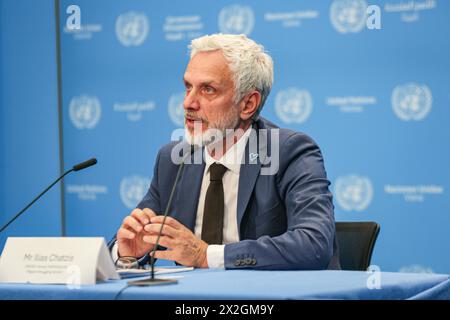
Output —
(84, 165)
(76, 167)
(152, 281)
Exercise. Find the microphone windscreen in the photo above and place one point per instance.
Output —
(84, 165)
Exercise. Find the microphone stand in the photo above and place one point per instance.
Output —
(152, 281)
(77, 167)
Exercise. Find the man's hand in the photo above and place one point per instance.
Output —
(131, 233)
(183, 246)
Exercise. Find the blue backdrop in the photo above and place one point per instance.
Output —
(29, 148)
(372, 88)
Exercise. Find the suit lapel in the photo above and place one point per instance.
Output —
(188, 192)
(250, 169)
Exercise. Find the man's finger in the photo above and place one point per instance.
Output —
(123, 233)
(132, 223)
(163, 241)
(149, 213)
(169, 221)
(166, 231)
(140, 216)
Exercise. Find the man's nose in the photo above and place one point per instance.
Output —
(191, 100)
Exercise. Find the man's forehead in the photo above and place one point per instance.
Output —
(208, 67)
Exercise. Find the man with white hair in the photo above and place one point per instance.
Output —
(238, 207)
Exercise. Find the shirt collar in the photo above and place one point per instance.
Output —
(232, 159)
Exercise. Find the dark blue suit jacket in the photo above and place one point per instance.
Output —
(285, 220)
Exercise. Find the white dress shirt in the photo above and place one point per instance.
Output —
(232, 160)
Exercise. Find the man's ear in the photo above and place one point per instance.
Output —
(249, 105)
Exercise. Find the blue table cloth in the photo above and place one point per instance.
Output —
(238, 284)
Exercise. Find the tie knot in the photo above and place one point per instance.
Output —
(216, 171)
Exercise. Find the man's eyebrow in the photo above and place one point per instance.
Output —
(206, 82)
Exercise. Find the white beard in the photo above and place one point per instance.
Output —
(197, 139)
(215, 133)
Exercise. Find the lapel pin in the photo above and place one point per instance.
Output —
(253, 156)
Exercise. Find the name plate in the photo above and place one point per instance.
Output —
(70, 261)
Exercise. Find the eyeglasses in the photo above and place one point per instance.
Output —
(128, 263)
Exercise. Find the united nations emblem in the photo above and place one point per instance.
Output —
(411, 101)
(353, 192)
(293, 105)
(132, 28)
(236, 19)
(84, 111)
(348, 15)
(176, 110)
(133, 190)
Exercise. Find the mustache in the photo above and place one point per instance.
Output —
(193, 116)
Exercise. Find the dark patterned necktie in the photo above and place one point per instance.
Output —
(212, 226)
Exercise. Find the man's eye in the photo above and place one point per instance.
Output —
(209, 90)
